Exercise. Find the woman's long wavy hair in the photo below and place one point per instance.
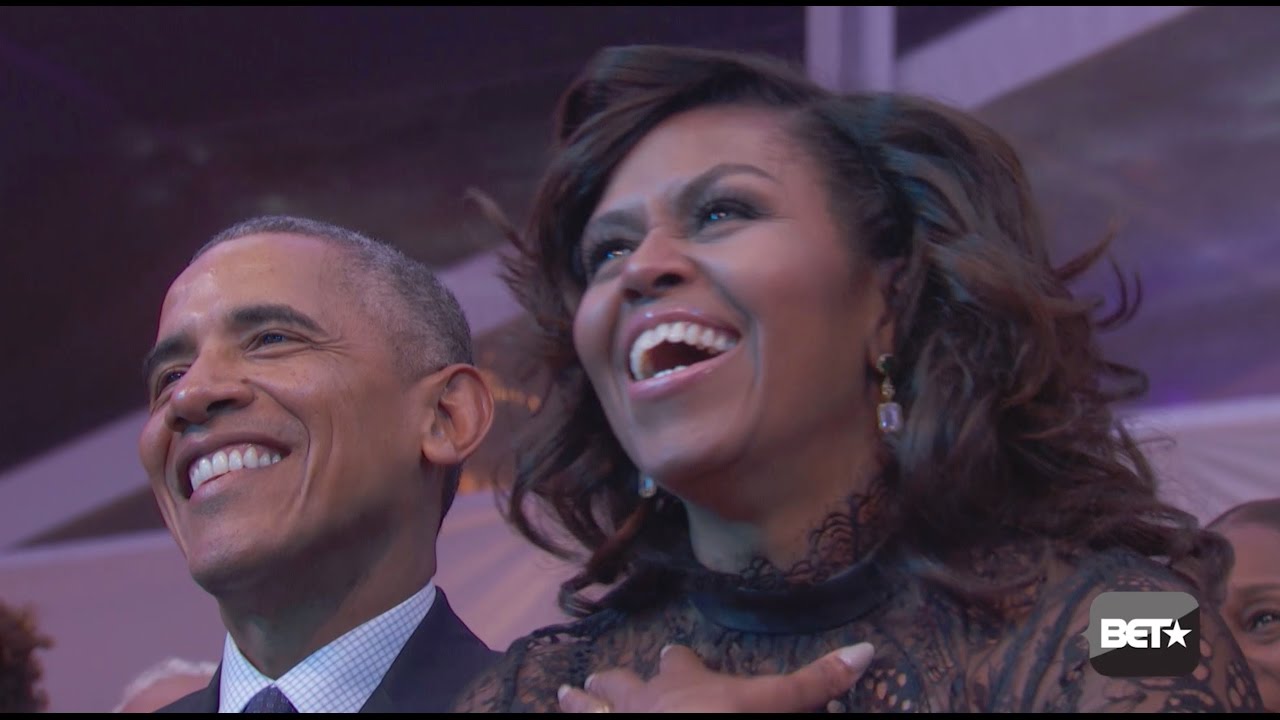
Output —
(1008, 432)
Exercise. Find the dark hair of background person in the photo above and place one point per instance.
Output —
(1007, 398)
(20, 670)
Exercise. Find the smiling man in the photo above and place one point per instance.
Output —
(311, 401)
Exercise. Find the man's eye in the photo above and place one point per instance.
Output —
(270, 338)
(168, 378)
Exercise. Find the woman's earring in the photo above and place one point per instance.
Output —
(648, 488)
(888, 412)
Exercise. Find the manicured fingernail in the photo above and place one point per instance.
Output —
(564, 690)
(856, 656)
(590, 679)
(665, 649)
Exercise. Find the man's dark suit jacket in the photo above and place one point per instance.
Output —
(441, 657)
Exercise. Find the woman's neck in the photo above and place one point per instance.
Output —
(799, 540)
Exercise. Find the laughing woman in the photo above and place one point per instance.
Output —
(817, 383)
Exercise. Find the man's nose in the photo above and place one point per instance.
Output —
(204, 391)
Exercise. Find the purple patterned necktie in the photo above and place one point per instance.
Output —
(269, 700)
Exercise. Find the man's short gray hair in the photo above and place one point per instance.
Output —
(423, 317)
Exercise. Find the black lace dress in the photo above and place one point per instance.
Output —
(934, 651)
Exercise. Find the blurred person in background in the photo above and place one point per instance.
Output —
(164, 683)
(20, 670)
(1252, 605)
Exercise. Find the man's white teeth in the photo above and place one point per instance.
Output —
(709, 340)
(238, 457)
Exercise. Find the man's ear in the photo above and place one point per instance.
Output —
(458, 415)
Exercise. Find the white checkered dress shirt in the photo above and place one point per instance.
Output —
(337, 678)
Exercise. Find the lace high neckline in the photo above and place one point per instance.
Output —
(841, 578)
(798, 609)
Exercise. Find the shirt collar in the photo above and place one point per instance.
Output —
(339, 677)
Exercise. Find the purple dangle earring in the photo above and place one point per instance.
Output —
(888, 412)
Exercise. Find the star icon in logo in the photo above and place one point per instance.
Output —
(1177, 635)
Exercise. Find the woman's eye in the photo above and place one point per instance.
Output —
(1261, 620)
(602, 254)
(718, 211)
(718, 215)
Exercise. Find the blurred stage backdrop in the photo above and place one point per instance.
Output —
(129, 135)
